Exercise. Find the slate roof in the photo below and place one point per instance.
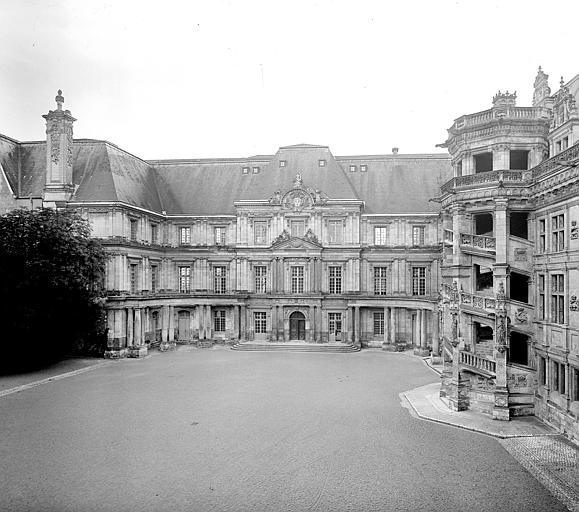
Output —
(103, 172)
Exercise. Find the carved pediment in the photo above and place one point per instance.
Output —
(286, 241)
(299, 197)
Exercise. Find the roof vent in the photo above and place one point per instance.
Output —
(394, 151)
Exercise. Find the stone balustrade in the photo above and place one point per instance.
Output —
(487, 178)
(478, 241)
(486, 116)
(473, 361)
(477, 301)
(569, 155)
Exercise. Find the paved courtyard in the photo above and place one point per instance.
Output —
(219, 430)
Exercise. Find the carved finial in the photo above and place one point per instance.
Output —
(298, 180)
(59, 100)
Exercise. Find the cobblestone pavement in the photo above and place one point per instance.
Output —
(553, 461)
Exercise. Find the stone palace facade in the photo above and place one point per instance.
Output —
(470, 256)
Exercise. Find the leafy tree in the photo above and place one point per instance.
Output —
(50, 275)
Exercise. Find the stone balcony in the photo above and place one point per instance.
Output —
(478, 243)
(487, 179)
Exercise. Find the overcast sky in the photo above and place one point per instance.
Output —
(195, 79)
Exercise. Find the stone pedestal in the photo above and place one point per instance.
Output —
(458, 394)
(167, 345)
(501, 407)
(116, 353)
(136, 352)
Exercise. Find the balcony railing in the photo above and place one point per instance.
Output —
(569, 155)
(477, 301)
(487, 178)
(473, 361)
(478, 241)
(487, 116)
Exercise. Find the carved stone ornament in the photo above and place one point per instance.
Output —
(573, 303)
(541, 85)
(564, 107)
(311, 237)
(574, 230)
(55, 141)
(282, 237)
(69, 146)
(297, 199)
(521, 316)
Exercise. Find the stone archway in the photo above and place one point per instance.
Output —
(297, 326)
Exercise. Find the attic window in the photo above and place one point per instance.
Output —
(321, 163)
(255, 170)
(363, 168)
(282, 163)
(352, 168)
(245, 170)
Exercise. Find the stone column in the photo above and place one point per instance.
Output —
(386, 322)
(423, 349)
(311, 334)
(139, 349)
(357, 332)
(171, 324)
(393, 327)
(458, 389)
(130, 327)
(164, 329)
(209, 322)
(243, 335)
(435, 355)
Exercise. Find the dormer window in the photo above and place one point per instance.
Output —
(352, 168)
(282, 163)
(321, 163)
(245, 170)
(255, 170)
(364, 168)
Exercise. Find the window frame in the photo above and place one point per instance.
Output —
(133, 229)
(260, 238)
(184, 235)
(154, 278)
(378, 321)
(184, 272)
(219, 320)
(293, 224)
(220, 235)
(381, 280)
(297, 279)
(335, 231)
(334, 322)
(557, 295)
(419, 281)
(335, 279)
(260, 322)
(133, 278)
(380, 235)
(260, 278)
(219, 279)
(542, 235)
(154, 234)
(418, 235)
(558, 232)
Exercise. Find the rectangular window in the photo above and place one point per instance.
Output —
(558, 233)
(260, 278)
(219, 320)
(298, 228)
(260, 233)
(575, 376)
(379, 322)
(184, 279)
(335, 230)
(260, 322)
(297, 279)
(542, 239)
(363, 168)
(322, 163)
(154, 234)
(154, 278)
(282, 163)
(555, 377)
(417, 235)
(220, 235)
(255, 170)
(541, 305)
(133, 229)
(380, 235)
(335, 274)
(543, 371)
(185, 236)
(245, 170)
(380, 281)
(352, 168)
(558, 298)
(335, 323)
(419, 281)
(220, 279)
(134, 269)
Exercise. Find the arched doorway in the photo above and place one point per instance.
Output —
(297, 326)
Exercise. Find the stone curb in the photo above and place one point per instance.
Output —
(65, 375)
(403, 396)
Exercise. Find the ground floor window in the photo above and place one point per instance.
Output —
(575, 376)
(219, 320)
(335, 322)
(260, 322)
(379, 322)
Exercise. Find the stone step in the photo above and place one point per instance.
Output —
(522, 410)
(288, 347)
